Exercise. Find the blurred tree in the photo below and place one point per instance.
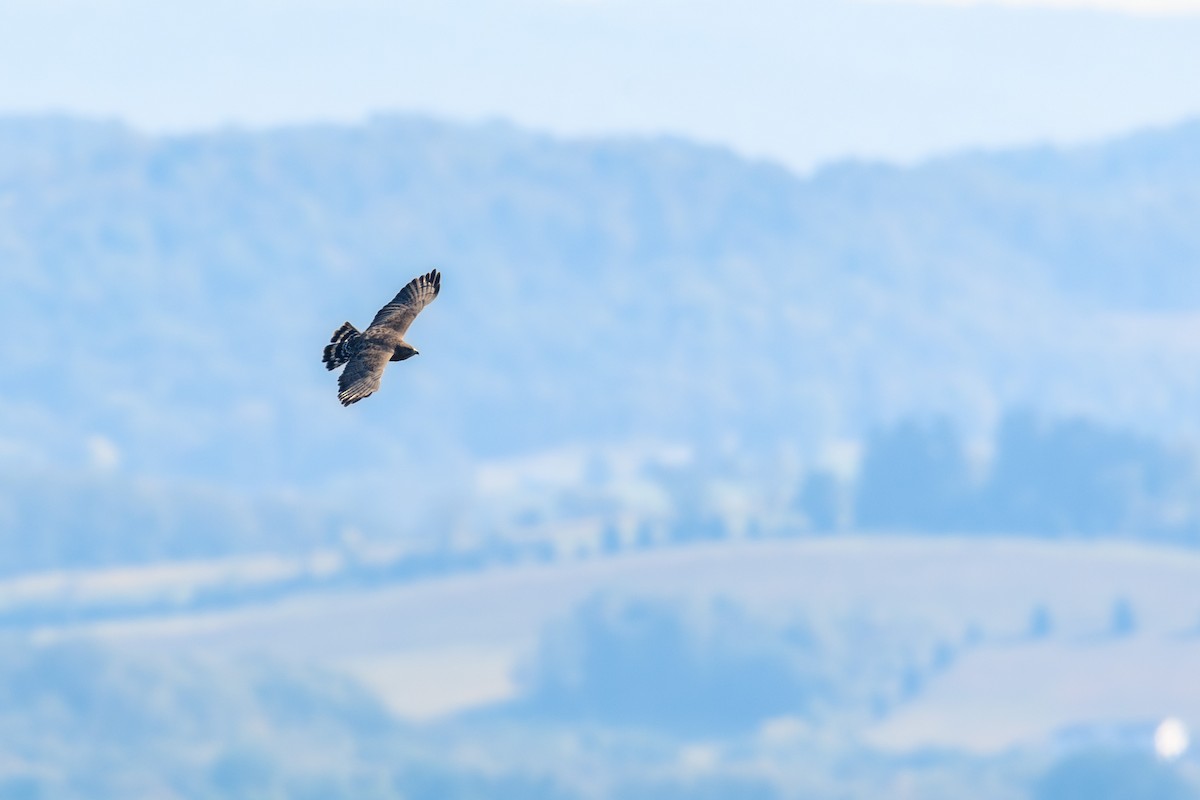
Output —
(650, 663)
(1076, 477)
(1051, 478)
(914, 476)
(1122, 620)
(1041, 623)
(611, 542)
(820, 500)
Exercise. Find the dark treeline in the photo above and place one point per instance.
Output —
(1066, 477)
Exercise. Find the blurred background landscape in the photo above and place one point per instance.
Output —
(772, 460)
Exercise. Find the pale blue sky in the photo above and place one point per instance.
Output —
(801, 82)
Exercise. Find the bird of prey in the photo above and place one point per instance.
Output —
(366, 353)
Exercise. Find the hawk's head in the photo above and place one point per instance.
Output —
(403, 350)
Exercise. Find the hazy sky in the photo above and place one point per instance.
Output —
(801, 81)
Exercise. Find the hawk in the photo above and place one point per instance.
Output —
(366, 353)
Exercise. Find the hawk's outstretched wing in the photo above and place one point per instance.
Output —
(363, 372)
(396, 316)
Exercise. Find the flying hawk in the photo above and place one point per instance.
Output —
(366, 353)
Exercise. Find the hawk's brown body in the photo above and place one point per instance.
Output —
(366, 353)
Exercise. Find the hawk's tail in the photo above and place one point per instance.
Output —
(341, 347)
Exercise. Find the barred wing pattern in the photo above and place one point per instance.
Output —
(363, 373)
(397, 315)
(366, 354)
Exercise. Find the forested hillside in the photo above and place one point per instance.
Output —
(165, 301)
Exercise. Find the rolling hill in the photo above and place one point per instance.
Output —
(165, 300)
